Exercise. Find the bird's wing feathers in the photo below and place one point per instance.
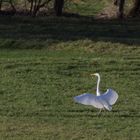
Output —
(110, 96)
(88, 99)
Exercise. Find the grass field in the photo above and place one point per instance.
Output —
(45, 62)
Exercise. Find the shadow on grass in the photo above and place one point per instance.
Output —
(52, 30)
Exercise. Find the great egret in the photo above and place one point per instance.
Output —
(101, 101)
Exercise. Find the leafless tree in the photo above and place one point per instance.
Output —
(35, 5)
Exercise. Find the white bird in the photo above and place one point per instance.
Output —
(101, 101)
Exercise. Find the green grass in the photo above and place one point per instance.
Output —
(45, 62)
(85, 7)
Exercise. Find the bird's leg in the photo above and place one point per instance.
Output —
(104, 111)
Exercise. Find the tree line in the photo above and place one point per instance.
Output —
(33, 6)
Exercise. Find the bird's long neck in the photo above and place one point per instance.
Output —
(97, 90)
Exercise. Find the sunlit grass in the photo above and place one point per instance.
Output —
(37, 89)
(84, 7)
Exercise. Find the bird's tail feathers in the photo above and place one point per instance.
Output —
(108, 107)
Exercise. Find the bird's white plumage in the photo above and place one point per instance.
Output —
(110, 96)
(100, 101)
(88, 99)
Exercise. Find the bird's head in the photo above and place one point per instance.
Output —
(95, 74)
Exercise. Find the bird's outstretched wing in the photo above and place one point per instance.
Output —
(110, 96)
(88, 99)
